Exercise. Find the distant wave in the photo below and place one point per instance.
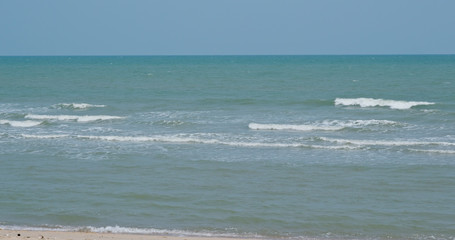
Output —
(357, 123)
(72, 117)
(436, 151)
(386, 143)
(371, 102)
(52, 136)
(27, 123)
(78, 106)
(258, 126)
(326, 125)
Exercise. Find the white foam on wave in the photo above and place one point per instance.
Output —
(171, 139)
(177, 139)
(27, 123)
(302, 127)
(437, 151)
(76, 118)
(360, 123)
(371, 102)
(385, 143)
(326, 125)
(45, 136)
(193, 140)
(79, 105)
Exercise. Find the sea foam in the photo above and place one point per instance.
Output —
(52, 136)
(73, 117)
(433, 151)
(302, 127)
(130, 230)
(371, 102)
(79, 106)
(154, 231)
(195, 140)
(385, 143)
(361, 123)
(27, 123)
(326, 125)
(178, 139)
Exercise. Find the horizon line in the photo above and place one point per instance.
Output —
(225, 55)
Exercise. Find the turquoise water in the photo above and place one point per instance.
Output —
(246, 146)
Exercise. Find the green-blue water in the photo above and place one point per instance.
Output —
(269, 146)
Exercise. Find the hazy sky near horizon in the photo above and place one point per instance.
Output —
(226, 27)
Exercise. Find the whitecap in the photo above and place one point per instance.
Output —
(79, 106)
(360, 123)
(194, 140)
(169, 139)
(73, 117)
(27, 123)
(371, 102)
(437, 151)
(179, 139)
(386, 143)
(301, 127)
(51, 136)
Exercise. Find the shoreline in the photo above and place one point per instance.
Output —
(73, 235)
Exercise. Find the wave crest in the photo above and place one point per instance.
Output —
(27, 123)
(371, 102)
(361, 123)
(78, 106)
(178, 139)
(45, 136)
(303, 127)
(385, 143)
(76, 118)
(326, 125)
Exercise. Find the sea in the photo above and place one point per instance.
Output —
(269, 147)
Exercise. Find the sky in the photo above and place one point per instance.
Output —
(226, 27)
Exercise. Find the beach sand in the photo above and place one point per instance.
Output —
(57, 235)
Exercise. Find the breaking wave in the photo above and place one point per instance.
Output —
(385, 143)
(73, 117)
(258, 126)
(371, 102)
(327, 125)
(178, 139)
(27, 123)
(51, 136)
(361, 123)
(78, 106)
(435, 151)
(440, 147)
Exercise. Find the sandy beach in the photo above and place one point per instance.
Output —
(57, 235)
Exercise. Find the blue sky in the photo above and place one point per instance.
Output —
(226, 27)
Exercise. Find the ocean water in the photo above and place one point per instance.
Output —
(293, 147)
